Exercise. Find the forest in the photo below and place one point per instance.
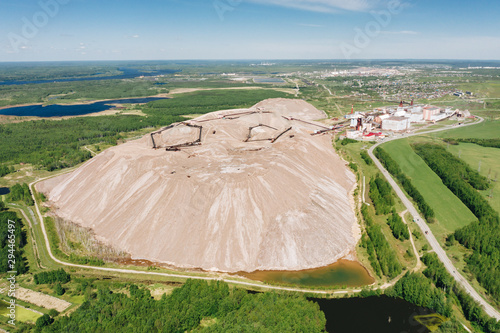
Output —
(417, 289)
(382, 256)
(398, 227)
(412, 191)
(437, 273)
(364, 155)
(12, 242)
(58, 275)
(5, 170)
(493, 143)
(22, 193)
(58, 144)
(482, 236)
(220, 308)
(381, 195)
(447, 166)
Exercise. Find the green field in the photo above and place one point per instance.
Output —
(451, 213)
(490, 166)
(485, 130)
(22, 314)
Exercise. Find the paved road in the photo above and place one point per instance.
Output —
(491, 311)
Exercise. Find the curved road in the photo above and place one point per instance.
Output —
(491, 311)
(430, 237)
(181, 276)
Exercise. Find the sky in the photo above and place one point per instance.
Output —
(57, 30)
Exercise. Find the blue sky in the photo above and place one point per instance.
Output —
(45, 30)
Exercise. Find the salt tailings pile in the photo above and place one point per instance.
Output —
(236, 202)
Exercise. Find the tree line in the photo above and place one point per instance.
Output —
(5, 170)
(417, 289)
(22, 193)
(391, 165)
(437, 273)
(381, 255)
(12, 242)
(381, 195)
(225, 309)
(398, 227)
(50, 277)
(493, 143)
(449, 167)
(481, 236)
(364, 155)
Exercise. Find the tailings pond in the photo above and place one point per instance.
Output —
(342, 273)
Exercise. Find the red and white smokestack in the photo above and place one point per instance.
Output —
(412, 102)
(352, 110)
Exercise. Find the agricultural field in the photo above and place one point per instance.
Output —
(22, 314)
(451, 213)
(485, 130)
(487, 161)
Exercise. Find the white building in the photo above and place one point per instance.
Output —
(396, 124)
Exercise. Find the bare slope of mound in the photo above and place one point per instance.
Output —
(258, 193)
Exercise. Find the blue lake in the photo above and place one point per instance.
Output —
(57, 110)
(127, 73)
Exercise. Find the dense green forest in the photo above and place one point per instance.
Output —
(382, 257)
(57, 92)
(5, 170)
(417, 289)
(364, 155)
(58, 275)
(22, 193)
(493, 143)
(56, 70)
(57, 144)
(398, 227)
(412, 191)
(437, 273)
(222, 310)
(381, 195)
(449, 167)
(459, 178)
(12, 242)
(482, 236)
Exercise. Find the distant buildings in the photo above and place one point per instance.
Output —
(396, 119)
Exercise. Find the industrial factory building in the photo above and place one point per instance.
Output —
(396, 124)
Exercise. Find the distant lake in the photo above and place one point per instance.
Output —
(372, 314)
(268, 80)
(128, 73)
(57, 110)
(4, 190)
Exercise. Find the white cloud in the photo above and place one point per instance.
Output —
(327, 6)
